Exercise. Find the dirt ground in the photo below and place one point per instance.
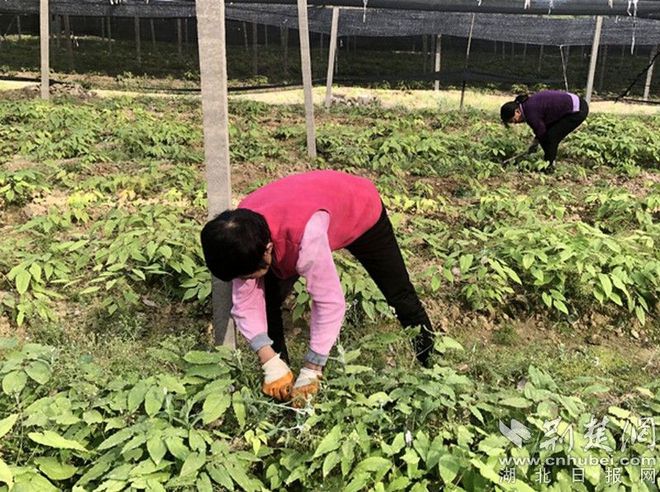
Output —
(410, 99)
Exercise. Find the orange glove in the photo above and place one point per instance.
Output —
(278, 379)
(307, 385)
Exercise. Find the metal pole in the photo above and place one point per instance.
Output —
(594, 58)
(538, 70)
(153, 33)
(179, 36)
(331, 56)
(245, 36)
(563, 66)
(467, 59)
(44, 41)
(138, 43)
(306, 66)
(603, 59)
(438, 60)
(57, 20)
(425, 51)
(18, 27)
(255, 39)
(649, 73)
(285, 45)
(213, 71)
(69, 43)
(110, 34)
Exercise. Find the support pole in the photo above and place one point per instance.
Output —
(213, 71)
(538, 69)
(438, 60)
(102, 23)
(255, 54)
(594, 58)
(57, 20)
(331, 56)
(179, 36)
(306, 66)
(425, 51)
(603, 60)
(44, 41)
(18, 27)
(69, 42)
(138, 41)
(110, 34)
(467, 60)
(152, 26)
(649, 73)
(245, 36)
(285, 45)
(266, 36)
(563, 66)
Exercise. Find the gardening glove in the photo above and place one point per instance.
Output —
(307, 385)
(277, 379)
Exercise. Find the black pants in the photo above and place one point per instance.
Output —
(560, 129)
(378, 252)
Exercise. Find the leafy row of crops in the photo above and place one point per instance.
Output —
(102, 202)
(125, 176)
(203, 425)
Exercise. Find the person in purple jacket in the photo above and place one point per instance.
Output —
(552, 115)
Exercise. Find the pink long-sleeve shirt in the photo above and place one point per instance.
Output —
(316, 265)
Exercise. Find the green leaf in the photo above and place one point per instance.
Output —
(330, 442)
(156, 448)
(528, 261)
(23, 281)
(606, 283)
(220, 475)
(7, 423)
(238, 404)
(53, 469)
(547, 299)
(14, 382)
(54, 440)
(176, 447)
(116, 439)
(92, 417)
(560, 306)
(200, 357)
(240, 477)
(193, 462)
(465, 262)
(330, 461)
(448, 467)
(373, 464)
(136, 395)
(215, 406)
(153, 400)
(203, 483)
(6, 475)
(39, 371)
(516, 402)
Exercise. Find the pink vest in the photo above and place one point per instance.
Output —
(288, 203)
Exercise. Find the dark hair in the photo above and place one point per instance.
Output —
(508, 110)
(234, 243)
